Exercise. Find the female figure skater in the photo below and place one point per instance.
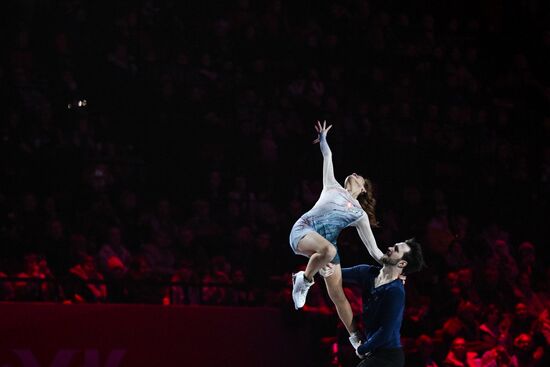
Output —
(314, 235)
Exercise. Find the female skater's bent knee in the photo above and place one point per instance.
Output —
(328, 252)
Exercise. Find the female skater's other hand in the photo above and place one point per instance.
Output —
(321, 129)
(327, 270)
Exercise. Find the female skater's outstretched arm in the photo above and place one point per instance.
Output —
(328, 169)
(366, 235)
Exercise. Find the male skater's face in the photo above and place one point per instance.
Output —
(395, 253)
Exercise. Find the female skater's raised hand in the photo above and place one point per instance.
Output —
(321, 129)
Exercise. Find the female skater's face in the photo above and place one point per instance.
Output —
(354, 182)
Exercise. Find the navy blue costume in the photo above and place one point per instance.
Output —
(382, 315)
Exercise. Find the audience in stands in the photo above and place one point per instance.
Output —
(164, 160)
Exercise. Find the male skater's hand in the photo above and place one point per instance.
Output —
(327, 270)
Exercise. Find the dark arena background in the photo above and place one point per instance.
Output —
(155, 155)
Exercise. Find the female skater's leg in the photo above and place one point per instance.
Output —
(318, 249)
(338, 297)
(320, 253)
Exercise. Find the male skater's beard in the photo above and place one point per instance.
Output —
(386, 260)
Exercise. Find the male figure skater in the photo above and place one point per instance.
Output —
(383, 294)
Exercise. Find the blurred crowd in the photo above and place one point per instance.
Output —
(160, 151)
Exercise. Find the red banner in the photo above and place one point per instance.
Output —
(92, 335)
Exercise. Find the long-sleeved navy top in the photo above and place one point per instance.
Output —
(383, 308)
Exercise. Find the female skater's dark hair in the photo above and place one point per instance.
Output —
(368, 202)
